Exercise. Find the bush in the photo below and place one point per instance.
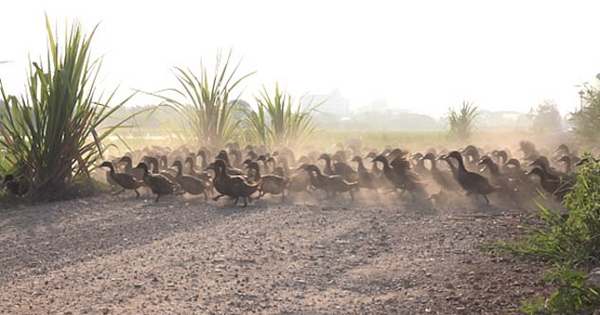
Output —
(205, 103)
(51, 134)
(462, 123)
(586, 120)
(277, 122)
(570, 243)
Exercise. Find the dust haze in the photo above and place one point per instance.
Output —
(518, 190)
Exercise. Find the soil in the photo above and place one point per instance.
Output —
(120, 255)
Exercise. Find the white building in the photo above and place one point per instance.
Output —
(331, 105)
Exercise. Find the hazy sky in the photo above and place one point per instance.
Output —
(420, 55)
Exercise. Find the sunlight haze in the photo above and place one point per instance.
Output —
(422, 56)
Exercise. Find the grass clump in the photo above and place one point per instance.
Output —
(206, 103)
(462, 122)
(52, 134)
(277, 122)
(570, 244)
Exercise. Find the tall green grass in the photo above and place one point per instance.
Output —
(462, 122)
(278, 122)
(51, 133)
(570, 245)
(206, 102)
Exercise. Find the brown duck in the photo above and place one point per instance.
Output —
(190, 184)
(124, 180)
(472, 183)
(158, 183)
(234, 186)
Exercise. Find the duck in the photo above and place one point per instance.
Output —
(472, 183)
(530, 153)
(16, 186)
(332, 184)
(269, 183)
(230, 169)
(543, 163)
(444, 179)
(154, 167)
(124, 180)
(570, 161)
(202, 154)
(366, 179)
(562, 150)
(338, 168)
(496, 177)
(398, 172)
(374, 168)
(158, 183)
(251, 154)
(501, 156)
(190, 184)
(512, 166)
(265, 163)
(138, 174)
(419, 166)
(472, 156)
(557, 188)
(234, 186)
(298, 180)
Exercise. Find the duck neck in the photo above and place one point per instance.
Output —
(179, 167)
(361, 166)
(433, 164)
(256, 169)
(128, 165)
(461, 164)
(386, 166)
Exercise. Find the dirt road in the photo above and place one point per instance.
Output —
(120, 255)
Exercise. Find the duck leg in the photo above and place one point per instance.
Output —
(487, 202)
(137, 193)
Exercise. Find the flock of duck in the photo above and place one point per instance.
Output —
(254, 172)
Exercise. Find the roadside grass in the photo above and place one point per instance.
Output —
(569, 243)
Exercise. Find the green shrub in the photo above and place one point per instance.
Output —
(586, 120)
(51, 133)
(462, 123)
(570, 244)
(205, 103)
(277, 122)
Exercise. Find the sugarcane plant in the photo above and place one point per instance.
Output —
(278, 120)
(462, 122)
(51, 134)
(206, 102)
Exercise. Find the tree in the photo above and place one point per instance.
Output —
(462, 123)
(586, 120)
(546, 117)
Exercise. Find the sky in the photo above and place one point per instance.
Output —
(423, 56)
